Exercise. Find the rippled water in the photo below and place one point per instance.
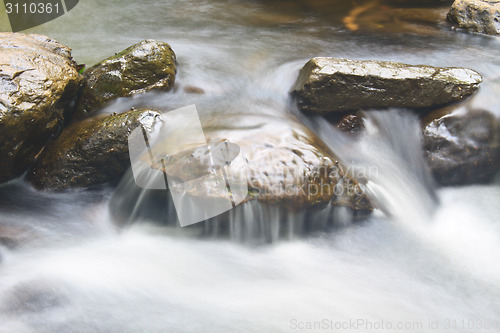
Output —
(74, 272)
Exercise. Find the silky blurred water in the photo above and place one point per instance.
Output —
(73, 271)
(78, 275)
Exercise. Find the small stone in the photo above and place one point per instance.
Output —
(193, 90)
(462, 147)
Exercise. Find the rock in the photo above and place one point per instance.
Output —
(329, 85)
(289, 166)
(145, 66)
(476, 15)
(285, 163)
(462, 147)
(288, 169)
(38, 81)
(384, 19)
(352, 123)
(90, 152)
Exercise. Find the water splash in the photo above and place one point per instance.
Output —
(252, 222)
(388, 159)
(403, 189)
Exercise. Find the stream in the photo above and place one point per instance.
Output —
(425, 261)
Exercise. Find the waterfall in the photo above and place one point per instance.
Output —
(252, 222)
(388, 159)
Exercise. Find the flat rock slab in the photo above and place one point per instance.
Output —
(327, 85)
(476, 15)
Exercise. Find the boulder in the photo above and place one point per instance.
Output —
(476, 15)
(329, 85)
(351, 123)
(145, 66)
(288, 169)
(90, 152)
(420, 18)
(462, 147)
(38, 81)
(289, 165)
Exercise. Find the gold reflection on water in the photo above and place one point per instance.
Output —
(424, 17)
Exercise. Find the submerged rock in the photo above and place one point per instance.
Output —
(145, 66)
(378, 17)
(90, 152)
(462, 147)
(11, 236)
(476, 15)
(329, 85)
(38, 81)
(34, 296)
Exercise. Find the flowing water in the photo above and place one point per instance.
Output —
(426, 261)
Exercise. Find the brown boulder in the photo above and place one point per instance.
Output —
(38, 81)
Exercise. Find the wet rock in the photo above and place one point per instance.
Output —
(284, 165)
(288, 169)
(476, 15)
(90, 152)
(329, 85)
(289, 166)
(38, 81)
(462, 147)
(145, 66)
(351, 123)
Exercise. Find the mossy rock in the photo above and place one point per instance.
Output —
(90, 152)
(462, 146)
(286, 167)
(481, 16)
(145, 66)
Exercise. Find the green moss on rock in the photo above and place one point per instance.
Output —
(90, 152)
(38, 81)
(145, 66)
